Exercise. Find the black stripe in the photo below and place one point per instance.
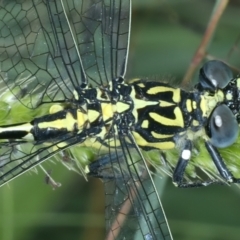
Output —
(13, 134)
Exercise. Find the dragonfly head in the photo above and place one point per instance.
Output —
(216, 78)
(216, 75)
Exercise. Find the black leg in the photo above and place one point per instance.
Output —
(182, 163)
(219, 163)
(178, 174)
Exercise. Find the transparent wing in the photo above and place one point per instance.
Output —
(101, 30)
(39, 61)
(18, 157)
(42, 43)
(133, 208)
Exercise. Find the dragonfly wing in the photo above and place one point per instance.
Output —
(133, 208)
(18, 157)
(38, 57)
(48, 48)
(101, 30)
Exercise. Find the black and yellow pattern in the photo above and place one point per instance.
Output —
(80, 74)
(71, 57)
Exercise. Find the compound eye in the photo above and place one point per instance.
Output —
(214, 74)
(223, 127)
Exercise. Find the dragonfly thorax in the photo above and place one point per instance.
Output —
(164, 112)
(167, 116)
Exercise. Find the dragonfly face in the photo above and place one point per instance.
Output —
(87, 48)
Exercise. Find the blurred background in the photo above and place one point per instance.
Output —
(164, 38)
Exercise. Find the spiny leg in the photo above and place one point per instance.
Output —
(178, 174)
(219, 163)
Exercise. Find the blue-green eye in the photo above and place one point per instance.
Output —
(214, 74)
(223, 127)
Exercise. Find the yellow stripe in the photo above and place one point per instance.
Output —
(107, 111)
(159, 145)
(194, 104)
(67, 123)
(139, 103)
(81, 119)
(141, 85)
(145, 124)
(165, 104)
(195, 123)
(93, 115)
(204, 107)
(55, 108)
(23, 127)
(70, 121)
(189, 105)
(162, 145)
(161, 136)
(175, 91)
(178, 121)
(122, 107)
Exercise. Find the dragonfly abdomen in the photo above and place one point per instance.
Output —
(52, 127)
(42, 128)
(16, 131)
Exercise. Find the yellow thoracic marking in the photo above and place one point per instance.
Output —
(93, 115)
(189, 105)
(122, 107)
(159, 145)
(139, 103)
(194, 104)
(67, 123)
(195, 123)
(55, 108)
(165, 103)
(145, 124)
(176, 92)
(178, 121)
(70, 122)
(81, 119)
(107, 111)
(141, 85)
(160, 136)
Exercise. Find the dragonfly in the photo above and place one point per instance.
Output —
(86, 70)
(60, 52)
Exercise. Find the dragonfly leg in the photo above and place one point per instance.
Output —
(219, 163)
(178, 174)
